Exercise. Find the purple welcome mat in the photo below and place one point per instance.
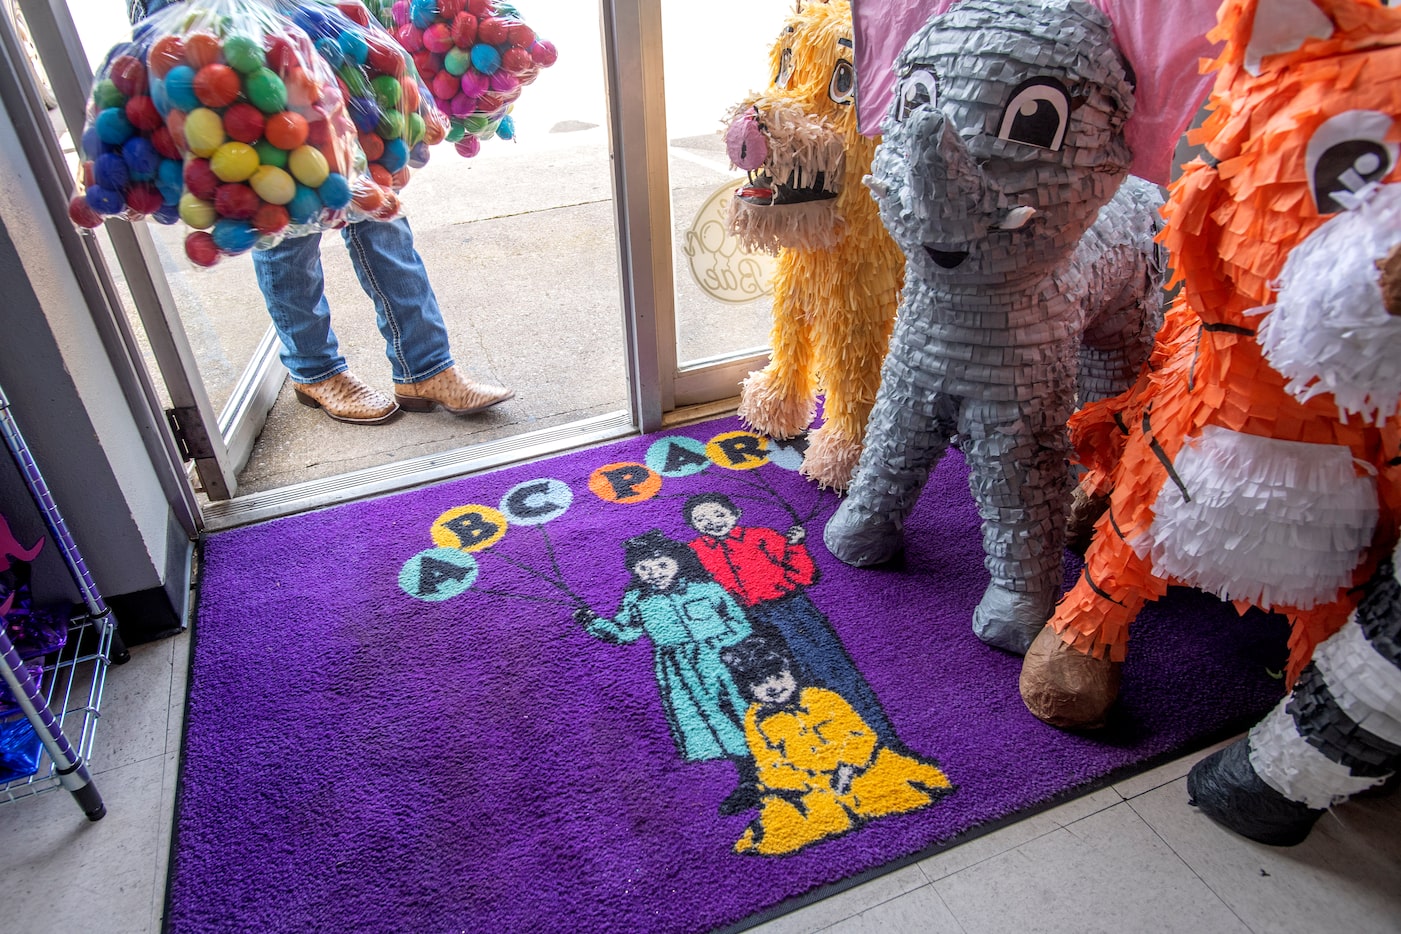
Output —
(402, 718)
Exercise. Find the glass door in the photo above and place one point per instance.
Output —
(559, 259)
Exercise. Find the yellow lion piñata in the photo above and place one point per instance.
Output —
(838, 274)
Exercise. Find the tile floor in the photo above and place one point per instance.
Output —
(1133, 857)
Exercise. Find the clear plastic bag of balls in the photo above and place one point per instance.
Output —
(239, 95)
(475, 57)
(393, 112)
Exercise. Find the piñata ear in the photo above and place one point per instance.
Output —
(1271, 27)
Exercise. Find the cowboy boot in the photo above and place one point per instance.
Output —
(347, 398)
(453, 391)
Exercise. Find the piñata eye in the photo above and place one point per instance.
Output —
(842, 88)
(785, 69)
(1037, 114)
(1345, 154)
(919, 88)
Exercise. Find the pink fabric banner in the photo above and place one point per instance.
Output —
(1164, 41)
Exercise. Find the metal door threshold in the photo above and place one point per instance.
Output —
(402, 475)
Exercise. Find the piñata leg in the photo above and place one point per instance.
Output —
(1070, 676)
(780, 400)
(1337, 733)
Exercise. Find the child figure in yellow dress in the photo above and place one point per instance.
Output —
(822, 771)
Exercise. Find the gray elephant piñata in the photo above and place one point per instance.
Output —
(1032, 280)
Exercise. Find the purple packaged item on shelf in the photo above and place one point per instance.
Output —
(19, 750)
(8, 704)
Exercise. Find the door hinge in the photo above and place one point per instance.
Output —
(189, 432)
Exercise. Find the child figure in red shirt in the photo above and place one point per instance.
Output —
(767, 572)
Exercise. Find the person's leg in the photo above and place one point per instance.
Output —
(293, 285)
(392, 273)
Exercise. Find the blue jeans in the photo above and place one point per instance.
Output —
(390, 271)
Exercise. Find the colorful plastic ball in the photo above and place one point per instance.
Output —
(113, 128)
(166, 214)
(468, 146)
(506, 129)
(415, 128)
(141, 158)
(196, 212)
(270, 219)
(391, 125)
(410, 37)
(141, 112)
(200, 179)
(109, 170)
(237, 201)
(427, 63)
(519, 34)
(234, 236)
(396, 155)
(269, 154)
(481, 8)
(243, 54)
(175, 126)
(106, 94)
(286, 130)
(422, 14)
(92, 142)
(201, 249)
(503, 82)
(334, 191)
(234, 161)
(158, 96)
(144, 199)
(202, 48)
(418, 156)
(266, 91)
(544, 53)
(444, 86)
(399, 12)
(204, 131)
(382, 177)
(464, 30)
(477, 125)
(273, 185)
(128, 75)
(329, 49)
(364, 113)
(409, 95)
(371, 145)
(475, 84)
(304, 206)
(170, 180)
(386, 58)
(180, 88)
(353, 46)
(388, 91)
(437, 38)
(308, 165)
(105, 200)
(166, 52)
(492, 30)
(485, 58)
(516, 60)
(318, 130)
(463, 106)
(400, 179)
(81, 213)
(244, 122)
(281, 53)
(455, 131)
(217, 85)
(456, 61)
(448, 9)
